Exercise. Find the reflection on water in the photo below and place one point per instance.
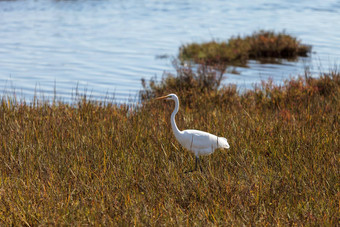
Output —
(107, 46)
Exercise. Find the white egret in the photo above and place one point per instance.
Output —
(198, 142)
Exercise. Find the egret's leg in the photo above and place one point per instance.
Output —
(196, 161)
(199, 163)
(192, 170)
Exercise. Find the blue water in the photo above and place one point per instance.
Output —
(107, 46)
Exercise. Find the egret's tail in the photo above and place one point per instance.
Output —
(223, 143)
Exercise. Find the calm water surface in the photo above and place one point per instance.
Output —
(107, 46)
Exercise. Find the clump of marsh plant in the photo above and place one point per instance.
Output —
(238, 50)
(188, 81)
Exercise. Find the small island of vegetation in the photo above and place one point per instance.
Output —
(237, 51)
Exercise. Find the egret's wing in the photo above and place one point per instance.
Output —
(200, 140)
(205, 140)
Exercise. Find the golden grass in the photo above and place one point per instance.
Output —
(99, 163)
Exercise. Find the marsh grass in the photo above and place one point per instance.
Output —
(263, 46)
(99, 163)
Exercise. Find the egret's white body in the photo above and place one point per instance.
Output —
(196, 141)
(199, 142)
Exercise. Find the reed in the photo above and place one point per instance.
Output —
(99, 163)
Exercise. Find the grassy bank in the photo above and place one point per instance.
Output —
(261, 45)
(95, 163)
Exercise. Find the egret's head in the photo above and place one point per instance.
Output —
(168, 97)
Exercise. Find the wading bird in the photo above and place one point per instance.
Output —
(198, 142)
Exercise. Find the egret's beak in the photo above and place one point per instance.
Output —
(163, 97)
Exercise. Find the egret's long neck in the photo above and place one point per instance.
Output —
(173, 123)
